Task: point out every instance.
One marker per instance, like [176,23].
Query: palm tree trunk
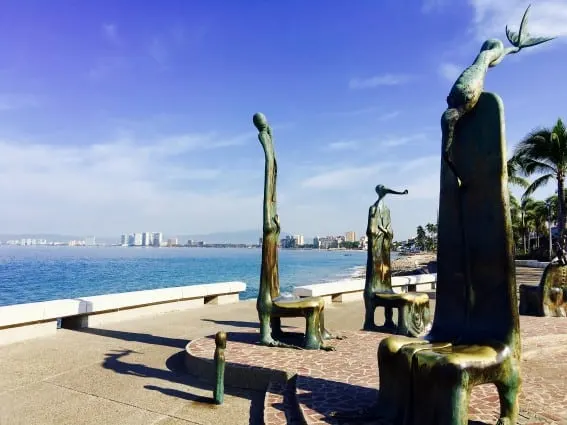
[560,205]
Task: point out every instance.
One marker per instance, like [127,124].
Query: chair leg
[394,369]
[402,324]
[369,310]
[312,331]
[276,323]
[389,317]
[508,391]
[454,406]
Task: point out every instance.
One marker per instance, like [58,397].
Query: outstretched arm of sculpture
[469,86]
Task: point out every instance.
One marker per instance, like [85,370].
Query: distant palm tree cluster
[542,153]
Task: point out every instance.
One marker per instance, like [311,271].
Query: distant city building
[328,242]
[350,236]
[172,242]
[298,240]
[316,243]
[190,242]
[137,239]
[158,239]
[90,241]
[147,239]
[260,241]
[124,240]
[363,242]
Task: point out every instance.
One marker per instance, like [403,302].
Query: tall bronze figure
[475,337]
[413,309]
[270,305]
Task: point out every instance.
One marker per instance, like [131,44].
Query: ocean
[32,274]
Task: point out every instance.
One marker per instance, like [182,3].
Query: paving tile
[348,377]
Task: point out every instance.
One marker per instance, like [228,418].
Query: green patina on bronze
[475,337]
[469,86]
[270,304]
[220,362]
[413,309]
[549,298]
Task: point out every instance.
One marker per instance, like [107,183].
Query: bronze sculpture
[220,364]
[270,305]
[413,309]
[475,334]
[549,298]
[466,91]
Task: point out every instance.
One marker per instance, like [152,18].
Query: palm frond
[536,184]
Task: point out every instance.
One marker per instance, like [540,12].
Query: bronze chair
[549,298]
[475,334]
[413,308]
[270,304]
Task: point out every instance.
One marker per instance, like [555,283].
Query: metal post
[219,360]
[549,226]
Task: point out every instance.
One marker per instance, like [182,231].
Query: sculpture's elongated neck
[270,177]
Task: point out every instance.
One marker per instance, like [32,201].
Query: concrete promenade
[132,372]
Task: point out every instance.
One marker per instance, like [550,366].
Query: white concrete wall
[23,321]
[532,263]
[352,289]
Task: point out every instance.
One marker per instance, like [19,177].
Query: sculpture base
[348,378]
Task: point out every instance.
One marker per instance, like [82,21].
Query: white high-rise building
[147,239]
[298,240]
[158,238]
[124,240]
[137,239]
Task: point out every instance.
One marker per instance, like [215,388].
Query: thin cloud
[110,33]
[403,140]
[421,174]
[10,102]
[389,116]
[158,51]
[343,145]
[119,186]
[548,18]
[352,113]
[432,5]
[450,71]
[379,80]
[362,111]
[338,178]
[106,66]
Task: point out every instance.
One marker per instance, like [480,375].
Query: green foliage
[426,238]
[350,245]
[544,151]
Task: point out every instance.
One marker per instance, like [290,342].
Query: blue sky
[137,116]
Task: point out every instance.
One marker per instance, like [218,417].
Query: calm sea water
[31,274]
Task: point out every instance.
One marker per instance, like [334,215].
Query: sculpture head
[492,44]
[260,121]
[382,191]
[220,339]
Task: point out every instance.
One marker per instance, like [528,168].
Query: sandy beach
[404,264]
[407,263]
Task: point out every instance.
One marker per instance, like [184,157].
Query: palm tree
[527,207]
[544,151]
[538,217]
[516,219]
[513,174]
